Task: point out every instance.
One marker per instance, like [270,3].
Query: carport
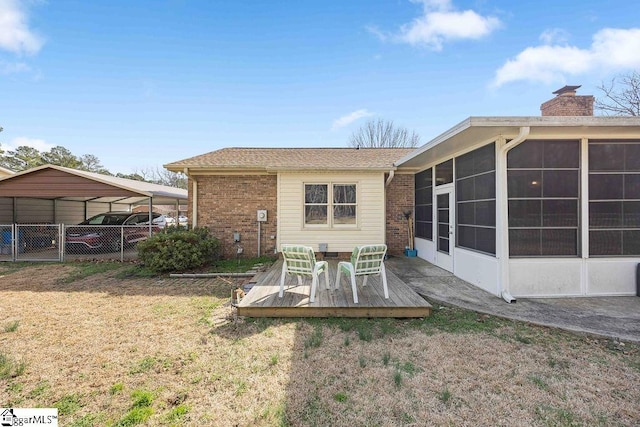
[55,195]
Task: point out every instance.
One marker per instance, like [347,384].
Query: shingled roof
[276,159]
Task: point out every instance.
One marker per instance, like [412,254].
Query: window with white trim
[332,205]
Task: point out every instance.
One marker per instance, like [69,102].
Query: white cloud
[440,23]
[612,50]
[39,144]
[13,68]
[350,118]
[554,35]
[15,34]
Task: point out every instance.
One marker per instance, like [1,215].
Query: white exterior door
[444,223]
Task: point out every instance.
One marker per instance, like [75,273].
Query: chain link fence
[57,242]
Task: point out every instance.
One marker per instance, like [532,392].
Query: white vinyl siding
[370,224]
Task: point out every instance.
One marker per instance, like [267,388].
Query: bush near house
[179,250]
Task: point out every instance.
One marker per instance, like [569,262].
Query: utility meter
[262,215]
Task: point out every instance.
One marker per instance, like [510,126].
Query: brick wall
[568,105]
[227,204]
[400,198]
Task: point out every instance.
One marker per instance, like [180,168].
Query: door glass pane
[443,222]
[443,245]
[443,201]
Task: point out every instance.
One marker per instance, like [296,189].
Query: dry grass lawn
[120,352]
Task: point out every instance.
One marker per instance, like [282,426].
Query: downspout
[194,200]
[392,173]
[503,217]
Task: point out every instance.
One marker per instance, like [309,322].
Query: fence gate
[36,242]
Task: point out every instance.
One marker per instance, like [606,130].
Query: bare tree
[162,176]
[381,133]
[621,97]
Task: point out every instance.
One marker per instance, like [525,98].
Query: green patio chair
[365,261]
[301,261]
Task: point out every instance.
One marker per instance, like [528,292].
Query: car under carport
[56,196]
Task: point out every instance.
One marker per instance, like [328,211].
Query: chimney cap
[567,90]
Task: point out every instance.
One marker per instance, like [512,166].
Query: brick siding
[227,204]
[400,198]
[568,105]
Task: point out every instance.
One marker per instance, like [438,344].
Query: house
[255,199]
[541,206]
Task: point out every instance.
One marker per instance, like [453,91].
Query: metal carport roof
[57,182]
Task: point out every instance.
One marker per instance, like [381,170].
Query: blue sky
[144,83]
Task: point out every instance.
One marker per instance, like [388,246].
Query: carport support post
[150,214]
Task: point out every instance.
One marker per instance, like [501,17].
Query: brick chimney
[567,103]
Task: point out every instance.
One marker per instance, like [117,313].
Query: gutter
[503,217]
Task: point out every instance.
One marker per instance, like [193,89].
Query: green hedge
[179,250]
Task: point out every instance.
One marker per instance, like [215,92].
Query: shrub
[179,250]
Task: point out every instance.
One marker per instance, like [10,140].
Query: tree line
[24,157]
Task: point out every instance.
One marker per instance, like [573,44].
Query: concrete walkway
[611,317]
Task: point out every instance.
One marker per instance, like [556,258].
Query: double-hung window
[330,205]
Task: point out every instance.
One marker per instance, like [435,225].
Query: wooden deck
[263,301]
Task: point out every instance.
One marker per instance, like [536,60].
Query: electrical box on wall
[262,215]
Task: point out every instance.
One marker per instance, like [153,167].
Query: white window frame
[330,205]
